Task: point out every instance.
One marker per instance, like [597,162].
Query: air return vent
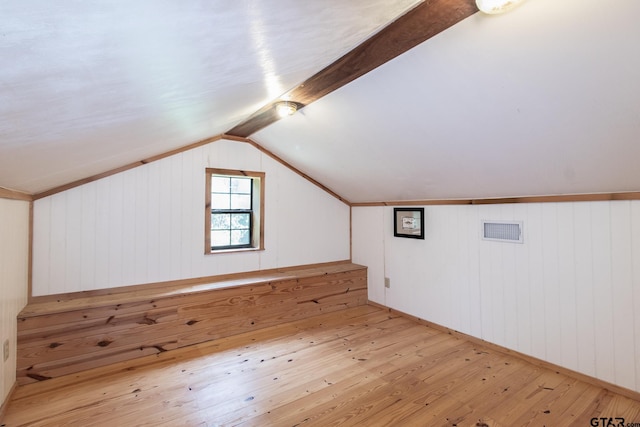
[502,231]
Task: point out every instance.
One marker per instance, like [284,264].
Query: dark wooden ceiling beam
[419,24]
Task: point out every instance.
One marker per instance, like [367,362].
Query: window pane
[241,185]
[219,184]
[240,201]
[220,201]
[240,221]
[232,203]
[240,237]
[220,238]
[220,221]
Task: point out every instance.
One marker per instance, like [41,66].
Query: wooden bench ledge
[68,333]
[51,304]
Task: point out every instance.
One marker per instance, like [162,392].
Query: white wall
[570,294]
[147,224]
[14,264]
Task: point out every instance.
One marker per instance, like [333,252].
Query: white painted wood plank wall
[14,263]
[570,294]
[147,224]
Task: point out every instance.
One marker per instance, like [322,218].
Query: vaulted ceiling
[542,100]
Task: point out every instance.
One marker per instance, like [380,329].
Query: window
[234,216]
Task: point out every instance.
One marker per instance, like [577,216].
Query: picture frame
[408,222]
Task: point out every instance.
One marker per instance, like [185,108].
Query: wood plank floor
[360,366]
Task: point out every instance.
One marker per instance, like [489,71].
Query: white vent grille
[502,231]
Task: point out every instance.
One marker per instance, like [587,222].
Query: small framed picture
[408,222]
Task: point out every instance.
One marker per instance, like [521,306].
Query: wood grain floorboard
[361,366]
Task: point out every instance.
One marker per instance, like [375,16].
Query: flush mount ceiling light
[493,7]
[286,108]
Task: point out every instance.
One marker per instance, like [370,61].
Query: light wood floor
[361,366]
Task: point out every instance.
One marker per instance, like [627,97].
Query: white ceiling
[89,86]
[543,100]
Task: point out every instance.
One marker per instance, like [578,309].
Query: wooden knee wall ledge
[631,394]
[72,334]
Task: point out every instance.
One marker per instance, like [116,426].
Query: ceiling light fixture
[286,108]
[493,7]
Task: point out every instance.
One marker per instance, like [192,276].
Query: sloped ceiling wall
[540,101]
[86,87]
[543,100]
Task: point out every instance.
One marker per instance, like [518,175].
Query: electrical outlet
[387,282]
[5,350]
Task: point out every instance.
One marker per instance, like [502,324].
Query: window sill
[226,251]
